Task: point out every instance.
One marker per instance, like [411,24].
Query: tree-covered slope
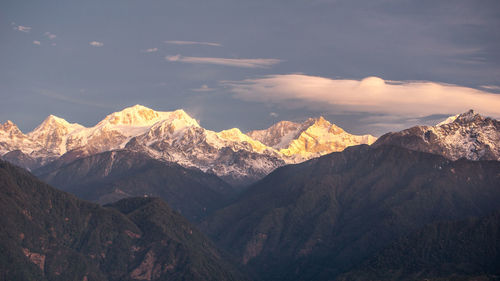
[46,234]
[467,249]
[318,219]
[113,175]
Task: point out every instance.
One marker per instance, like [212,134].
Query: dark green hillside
[318,219]
[467,250]
[46,234]
[110,176]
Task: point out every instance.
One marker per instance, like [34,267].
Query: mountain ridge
[50,235]
[317,219]
[468,135]
[174,137]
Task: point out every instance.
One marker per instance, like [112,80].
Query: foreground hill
[318,219]
[46,234]
[109,176]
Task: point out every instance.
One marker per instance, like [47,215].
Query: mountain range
[420,204]
[176,137]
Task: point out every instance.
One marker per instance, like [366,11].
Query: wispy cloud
[150,50]
[372,95]
[203,88]
[247,63]
[491,87]
[51,36]
[22,28]
[96,44]
[177,42]
[36,42]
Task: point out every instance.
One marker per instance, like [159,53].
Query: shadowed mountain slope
[113,175]
[46,234]
[467,249]
[315,220]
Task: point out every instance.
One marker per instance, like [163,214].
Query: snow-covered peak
[469,116]
[135,116]
[235,135]
[12,139]
[463,118]
[141,116]
[53,123]
[10,128]
[312,138]
[319,137]
[53,132]
[469,135]
[321,124]
[448,120]
[278,135]
[174,123]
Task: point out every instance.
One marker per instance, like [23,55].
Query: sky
[369,66]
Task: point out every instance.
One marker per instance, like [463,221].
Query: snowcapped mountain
[313,138]
[230,154]
[11,138]
[116,129]
[468,135]
[52,134]
[19,148]
[237,157]
[177,137]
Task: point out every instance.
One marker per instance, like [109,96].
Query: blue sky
[248,64]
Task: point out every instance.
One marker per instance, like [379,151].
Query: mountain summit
[53,132]
[467,135]
[312,138]
[141,116]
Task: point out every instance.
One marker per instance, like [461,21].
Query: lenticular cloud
[370,95]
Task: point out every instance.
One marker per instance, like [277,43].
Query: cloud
[150,50]
[372,95]
[22,28]
[96,44]
[247,63]
[51,36]
[36,42]
[177,42]
[203,88]
[491,87]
